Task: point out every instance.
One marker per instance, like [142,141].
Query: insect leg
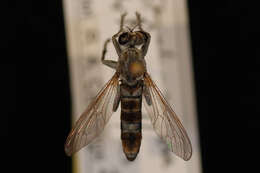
[139,21]
[147,94]
[117,99]
[146,43]
[147,35]
[114,38]
[122,21]
[109,63]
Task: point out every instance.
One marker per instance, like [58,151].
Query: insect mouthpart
[131,30]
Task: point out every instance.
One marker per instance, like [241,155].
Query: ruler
[88,24]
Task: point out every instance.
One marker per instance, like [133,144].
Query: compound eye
[123,38]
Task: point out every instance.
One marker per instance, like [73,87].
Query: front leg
[146,44]
[114,38]
[109,63]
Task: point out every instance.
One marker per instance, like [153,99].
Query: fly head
[132,38]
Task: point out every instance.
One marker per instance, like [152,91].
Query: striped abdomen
[131,116]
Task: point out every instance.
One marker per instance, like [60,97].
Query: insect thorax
[131,65]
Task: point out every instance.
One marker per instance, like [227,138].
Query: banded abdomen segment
[131,116]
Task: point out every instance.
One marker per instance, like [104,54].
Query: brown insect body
[131,69]
[131,117]
[129,85]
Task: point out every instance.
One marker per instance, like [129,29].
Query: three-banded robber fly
[131,85]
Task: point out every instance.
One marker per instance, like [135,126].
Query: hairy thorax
[131,65]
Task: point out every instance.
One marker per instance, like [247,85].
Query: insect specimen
[130,85]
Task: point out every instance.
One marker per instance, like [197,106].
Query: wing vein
[93,120]
[166,123]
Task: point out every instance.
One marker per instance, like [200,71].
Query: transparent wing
[92,122]
[165,122]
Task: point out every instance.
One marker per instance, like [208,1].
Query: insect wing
[92,122]
[165,121]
